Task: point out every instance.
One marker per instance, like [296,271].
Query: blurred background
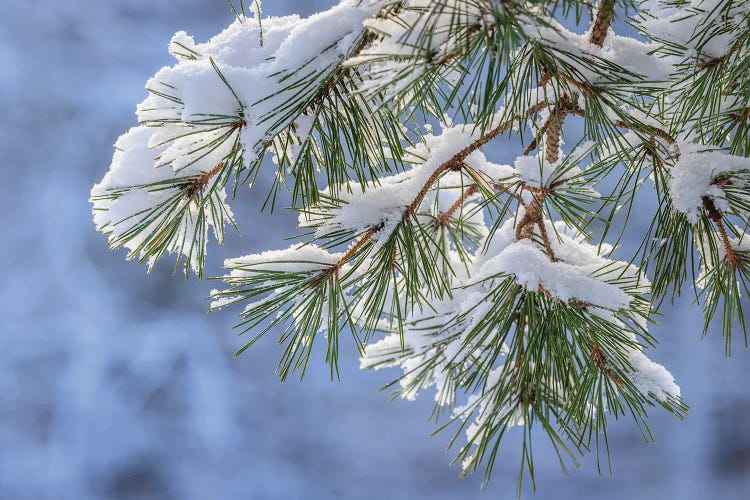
[115,384]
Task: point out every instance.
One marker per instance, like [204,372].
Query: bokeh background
[115,384]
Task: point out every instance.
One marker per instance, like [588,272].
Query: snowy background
[115,384]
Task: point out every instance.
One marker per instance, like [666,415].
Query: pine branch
[480,277]
[455,163]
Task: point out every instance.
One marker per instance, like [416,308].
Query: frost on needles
[495,286]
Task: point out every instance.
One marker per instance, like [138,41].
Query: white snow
[403,54]
[580,273]
[250,86]
[223,98]
[651,377]
[295,259]
[131,176]
[693,176]
[305,259]
[384,201]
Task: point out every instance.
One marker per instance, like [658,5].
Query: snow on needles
[296,259]
[211,113]
[233,75]
[579,274]
[136,193]
[404,53]
[472,292]
[383,201]
[695,174]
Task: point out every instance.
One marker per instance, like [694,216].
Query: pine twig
[200,181]
[453,163]
[600,360]
[545,238]
[443,220]
[552,136]
[730,256]
[602,22]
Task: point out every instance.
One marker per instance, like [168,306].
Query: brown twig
[573,302]
[534,216]
[535,142]
[338,76]
[741,117]
[500,129]
[600,360]
[443,220]
[554,130]
[199,182]
[730,256]
[573,108]
[453,164]
[585,88]
[661,134]
[359,244]
[529,216]
[329,272]
[456,162]
[602,22]
[471,31]
[502,187]
[718,61]
[545,239]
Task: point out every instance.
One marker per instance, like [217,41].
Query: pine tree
[494,284]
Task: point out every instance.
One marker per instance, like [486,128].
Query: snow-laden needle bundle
[494,284]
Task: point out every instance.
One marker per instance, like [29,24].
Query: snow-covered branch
[480,279]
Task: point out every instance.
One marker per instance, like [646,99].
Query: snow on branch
[481,280]
[151,210]
[700,173]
